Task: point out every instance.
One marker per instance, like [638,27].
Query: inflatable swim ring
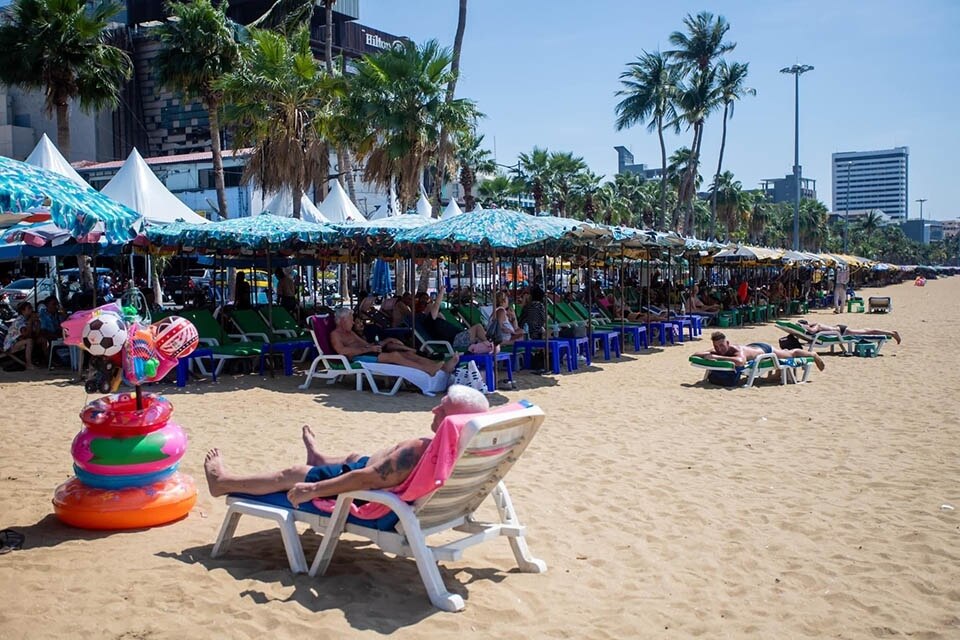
[88,508]
[99,481]
[148,453]
[117,414]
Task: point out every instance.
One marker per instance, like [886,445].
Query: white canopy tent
[337,206]
[282,205]
[451,210]
[424,208]
[46,156]
[138,187]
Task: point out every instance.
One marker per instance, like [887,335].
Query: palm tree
[60,46]
[473,159]
[728,193]
[586,187]
[730,79]
[870,223]
[813,223]
[563,168]
[198,50]
[695,100]
[696,53]
[397,100]
[535,168]
[279,102]
[649,89]
[498,191]
[451,91]
[761,219]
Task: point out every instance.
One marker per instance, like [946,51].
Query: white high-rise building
[872,180]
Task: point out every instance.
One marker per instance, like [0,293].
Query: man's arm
[355,349]
[356,480]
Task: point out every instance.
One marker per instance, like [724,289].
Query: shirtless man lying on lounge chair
[740,354]
[389,351]
[816,327]
[325,476]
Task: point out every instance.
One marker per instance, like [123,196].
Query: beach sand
[663,508]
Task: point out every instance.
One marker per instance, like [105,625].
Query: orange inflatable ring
[82,506]
[117,415]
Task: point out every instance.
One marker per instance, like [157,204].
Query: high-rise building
[625,164]
[785,189]
[872,180]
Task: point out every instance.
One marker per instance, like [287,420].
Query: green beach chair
[224,346]
[763,364]
[252,325]
[283,322]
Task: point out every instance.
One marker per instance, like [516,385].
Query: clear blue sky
[545,73]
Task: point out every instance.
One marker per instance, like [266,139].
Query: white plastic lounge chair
[429,385]
[489,444]
[761,365]
[830,339]
[328,365]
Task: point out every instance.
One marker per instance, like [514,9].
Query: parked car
[28,290]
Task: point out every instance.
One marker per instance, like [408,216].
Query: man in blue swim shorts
[324,476]
[724,350]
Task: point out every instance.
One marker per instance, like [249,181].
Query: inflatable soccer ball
[104,335]
[176,337]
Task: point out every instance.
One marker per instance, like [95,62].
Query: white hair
[463,399]
[341,313]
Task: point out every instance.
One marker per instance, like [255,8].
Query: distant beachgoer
[325,476]
[724,350]
[844,330]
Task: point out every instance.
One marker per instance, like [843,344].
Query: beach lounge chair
[253,327]
[283,322]
[761,365]
[331,366]
[831,339]
[224,346]
[481,449]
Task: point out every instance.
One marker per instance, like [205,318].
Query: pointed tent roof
[138,187]
[452,209]
[424,208]
[337,206]
[46,156]
[282,205]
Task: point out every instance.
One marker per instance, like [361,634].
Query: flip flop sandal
[10,540]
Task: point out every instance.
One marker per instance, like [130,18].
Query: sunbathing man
[694,305]
[816,327]
[740,354]
[325,476]
[389,351]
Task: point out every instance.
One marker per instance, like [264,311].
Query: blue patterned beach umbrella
[380,281]
[79,210]
[485,229]
[256,233]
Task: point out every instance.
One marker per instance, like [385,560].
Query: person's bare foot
[451,364]
[817,360]
[213,468]
[896,336]
[310,442]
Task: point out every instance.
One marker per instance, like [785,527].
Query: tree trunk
[466,181]
[716,178]
[659,221]
[297,200]
[63,129]
[451,90]
[213,113]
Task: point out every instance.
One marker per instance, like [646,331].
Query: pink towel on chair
[431,471]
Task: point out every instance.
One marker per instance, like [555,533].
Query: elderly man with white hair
[325,476]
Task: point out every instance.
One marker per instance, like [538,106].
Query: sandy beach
[663,508]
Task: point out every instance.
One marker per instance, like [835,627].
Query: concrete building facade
[784,189]
[872,180]
[625,164]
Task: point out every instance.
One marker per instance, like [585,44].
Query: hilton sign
[376,41]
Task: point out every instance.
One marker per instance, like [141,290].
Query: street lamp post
[519,193]
[921,201]
[797,70]
[846,212]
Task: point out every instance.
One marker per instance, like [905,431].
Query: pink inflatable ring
[117,414]
[146,453]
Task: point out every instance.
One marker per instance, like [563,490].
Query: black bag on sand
[790,341]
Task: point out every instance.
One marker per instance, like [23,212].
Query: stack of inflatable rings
[125,462]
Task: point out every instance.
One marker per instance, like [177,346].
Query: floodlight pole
[921,201]
[846,214]
[797,70]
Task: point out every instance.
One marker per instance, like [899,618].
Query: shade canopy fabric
[138,187]
[282,205]
[46,156]
[257,233]
[451,210]
[488,228]
[336,207]
[79,210]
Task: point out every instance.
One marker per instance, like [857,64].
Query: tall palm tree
[563,168]
[649,88]
[695,101]
[279,102]
[344,163]
[813,224]
[870,223]
[586,187]
[198,50]
[497,191]
[444,150]
[728,194]
[535,167]
[473,159]
[696,53]
[730,86]
[60,47]
[397,99]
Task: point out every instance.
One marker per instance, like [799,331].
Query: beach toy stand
[125,460]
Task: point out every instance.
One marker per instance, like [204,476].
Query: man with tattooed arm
[325,476]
